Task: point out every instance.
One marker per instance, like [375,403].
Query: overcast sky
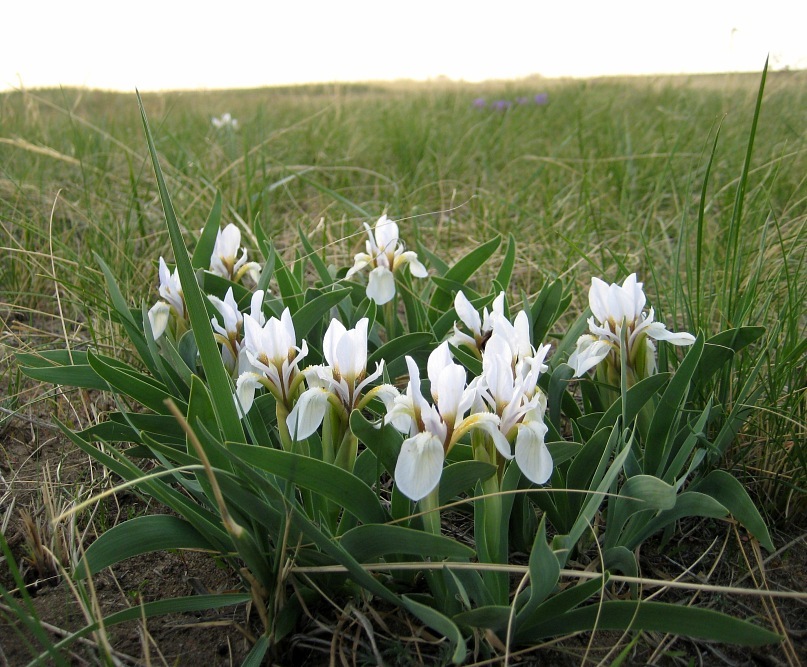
[164,44]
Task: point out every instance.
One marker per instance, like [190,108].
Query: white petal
[288,328]
[532,455]
[589,352]
[658,331]
[245,388]
[330,341]
[401,414]
[459,338]
[381,285]
[439,359]
[489,423]
[416,267]
[158,318]
[419,466]
[307,413]
[498,305]
[359,262]
[598,299]
[523,336]
[467,313]
[386,234]
[449,393]
[388,394]
[634,294]
[255,307]
[351,352]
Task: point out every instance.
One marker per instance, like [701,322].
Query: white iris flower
[386,255]
[271,350]
[173,302]
[339,382]
[230,334]
[480,327]
[224,260]
[509,387]
[434,429]
[612,306]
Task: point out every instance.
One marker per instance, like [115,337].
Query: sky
[180,44]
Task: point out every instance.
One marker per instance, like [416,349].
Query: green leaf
[508,263]
[201,411]
[460,272]
[635,399]
[655,617]
[544,573]
[215,373]
[659,441]
[544,310]
[638,494]
[141,388]
[593,501]
[563,450]
[399,347]
[558,382]
[291,292]
[494,617]
[204,249]
[315,259]
[729,492]
[461,476]
[131,327]
[384,441]
[722,347]
[556,606]
[322,478]
[441,623]
[137,536]
[368,542]
[204,521]
[689,503]
[311,314]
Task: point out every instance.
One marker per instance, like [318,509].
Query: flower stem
[430,505]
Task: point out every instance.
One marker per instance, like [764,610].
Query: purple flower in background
[479,103]
[523,100]
[502,105]
[541,98]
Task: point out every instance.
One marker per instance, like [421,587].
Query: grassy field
[607,177]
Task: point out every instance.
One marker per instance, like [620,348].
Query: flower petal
[158,318]
[467,313]
[589,352]
[419,466]
[381,285]
[245,388]
[386,234]
[532,456]
[416,267]
[307,413]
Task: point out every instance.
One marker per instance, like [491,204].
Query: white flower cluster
[224,262]
[225,121]
[504,402]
